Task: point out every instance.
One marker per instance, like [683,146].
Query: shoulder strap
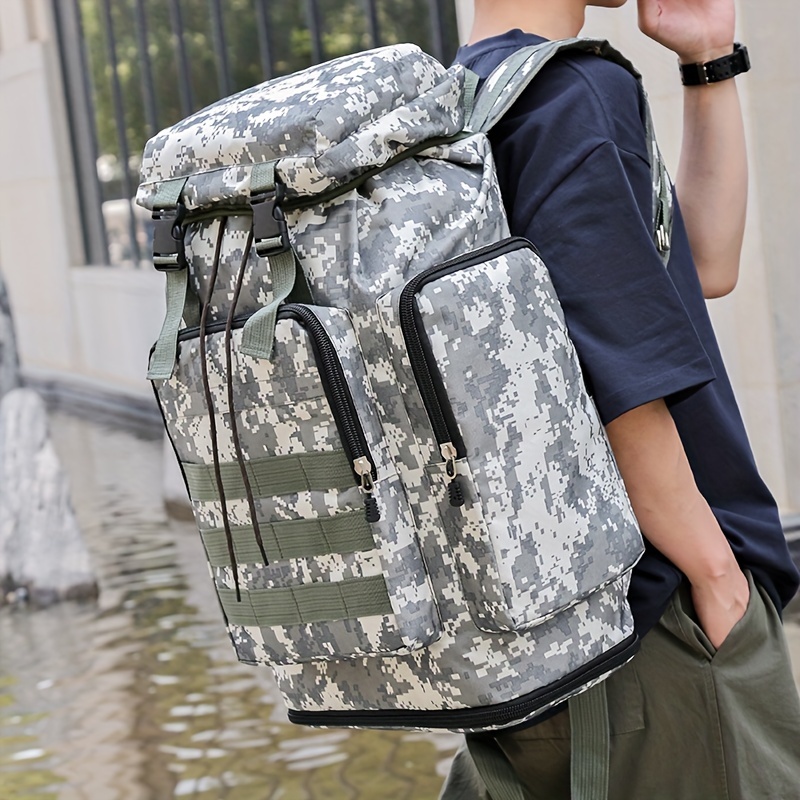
[507,82]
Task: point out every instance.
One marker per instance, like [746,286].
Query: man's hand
[720,604]
[697,30]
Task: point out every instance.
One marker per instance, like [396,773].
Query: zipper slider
[363,469]
[449,454]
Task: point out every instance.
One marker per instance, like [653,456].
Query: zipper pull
[449,454]
[363,468]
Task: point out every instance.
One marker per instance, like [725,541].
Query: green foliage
[344,30]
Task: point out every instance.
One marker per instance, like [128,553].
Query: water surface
[139,696]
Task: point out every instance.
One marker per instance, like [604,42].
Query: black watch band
[720,69]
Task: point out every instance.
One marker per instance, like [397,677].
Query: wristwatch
[720,69]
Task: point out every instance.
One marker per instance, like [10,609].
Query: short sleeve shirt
[574,170]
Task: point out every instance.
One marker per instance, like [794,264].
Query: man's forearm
[712,181]
[675,517]
[672,513]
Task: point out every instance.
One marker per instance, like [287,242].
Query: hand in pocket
[720,603]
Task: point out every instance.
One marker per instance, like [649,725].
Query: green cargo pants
[688,722]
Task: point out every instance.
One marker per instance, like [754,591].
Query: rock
[9,364]
[42,551]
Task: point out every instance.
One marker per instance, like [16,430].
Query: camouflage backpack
[407,500]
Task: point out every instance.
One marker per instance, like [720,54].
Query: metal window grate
[133,67]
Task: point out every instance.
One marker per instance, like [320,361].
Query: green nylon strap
[272,475]
[162,360]
[495,769]
[348,532]
[262,177]
[178,294]
[259,331]
[471,80]
[502,88]
[310,602]
[591,743]
[168,193]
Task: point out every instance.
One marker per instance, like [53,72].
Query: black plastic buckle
[168,232]
[270,232]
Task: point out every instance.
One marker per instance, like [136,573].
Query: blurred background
[138,696]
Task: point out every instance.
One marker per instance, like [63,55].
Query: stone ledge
[96,401]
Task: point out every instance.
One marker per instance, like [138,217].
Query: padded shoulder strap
[504,86]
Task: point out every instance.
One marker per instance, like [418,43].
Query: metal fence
[133,67]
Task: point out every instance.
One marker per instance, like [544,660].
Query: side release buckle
[270,232]
[168,251]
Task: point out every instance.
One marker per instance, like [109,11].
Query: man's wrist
[708,54]
[715,70]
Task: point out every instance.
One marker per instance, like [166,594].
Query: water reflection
[139,697]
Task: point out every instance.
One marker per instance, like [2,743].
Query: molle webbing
[273,475]
[297,538]
[310,602]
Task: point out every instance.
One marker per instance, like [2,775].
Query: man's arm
[675,517]
[712,175]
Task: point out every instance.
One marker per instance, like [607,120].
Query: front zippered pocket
[434,395]
[340,582]
[535,511]
[336,390]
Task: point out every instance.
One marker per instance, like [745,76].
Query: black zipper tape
[420,354]
[331,373]
[500,715]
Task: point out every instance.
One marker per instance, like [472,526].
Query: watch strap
[720,69]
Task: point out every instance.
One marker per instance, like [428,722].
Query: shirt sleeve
[635,340]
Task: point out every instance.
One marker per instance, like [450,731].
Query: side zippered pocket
[345,576]
[534,508]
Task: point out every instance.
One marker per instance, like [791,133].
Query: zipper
[423,364]
[336,390]
[502,715]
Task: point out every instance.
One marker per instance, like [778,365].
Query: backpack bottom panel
[469,670]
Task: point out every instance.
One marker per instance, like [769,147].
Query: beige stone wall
[90,325]
[757,324]
[96,325]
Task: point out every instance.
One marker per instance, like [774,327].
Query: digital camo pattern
[357,250]
[326,125]
[281,409]
[466,668]
[556,522]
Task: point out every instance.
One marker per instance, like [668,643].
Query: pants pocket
[689,629]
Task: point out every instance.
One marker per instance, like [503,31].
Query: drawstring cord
[210,404]
[234,424]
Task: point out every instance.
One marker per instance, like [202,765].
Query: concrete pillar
[39,223]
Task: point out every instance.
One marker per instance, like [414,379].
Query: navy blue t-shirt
[573,166]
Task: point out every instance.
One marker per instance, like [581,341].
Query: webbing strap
[507,82]
[168,193]
[262,177]
[259,331]
[180,298]
[471,80]
[272,475]
[347,532]
[495,769]
[310,602]
[589,766]
[162,360]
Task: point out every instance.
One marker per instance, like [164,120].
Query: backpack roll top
[325,560]
[528,491]
[326,126]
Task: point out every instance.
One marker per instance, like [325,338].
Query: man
[708,708]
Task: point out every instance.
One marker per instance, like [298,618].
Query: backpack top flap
[325,126]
